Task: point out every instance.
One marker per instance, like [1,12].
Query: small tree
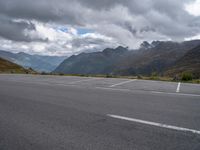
[139,76]
[186,76]
[154,76]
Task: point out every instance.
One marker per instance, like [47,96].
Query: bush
[44,73]
[139,76]
[154,76]
[186,76]
[198,81]
[109,76]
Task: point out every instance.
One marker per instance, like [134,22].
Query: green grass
[155,78]
[12,68]
[139,77]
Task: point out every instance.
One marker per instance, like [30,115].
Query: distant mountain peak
[119,49]
[145,45]
[156,57]
[22,53]
[155,43]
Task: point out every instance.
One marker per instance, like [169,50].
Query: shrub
[198,81]
[139,76]
[186,76]
[44,73]
[154,76]
[109,76]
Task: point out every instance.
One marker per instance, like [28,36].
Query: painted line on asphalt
[79,81]
[181,94]
[44,83]
[178,87]
[114,89]
[121,83]
[154,92]
[155,124]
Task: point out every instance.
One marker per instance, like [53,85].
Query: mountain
[9,67]
[160,56]
[37,62]
[92,63]
[157,57]
[190,62]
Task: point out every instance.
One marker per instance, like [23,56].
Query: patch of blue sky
[82,31]
[62,29]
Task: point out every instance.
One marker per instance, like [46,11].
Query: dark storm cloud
[120,19]
[42,10]
[166,17]
[15,30]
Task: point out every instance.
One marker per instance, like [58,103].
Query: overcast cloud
[66,27]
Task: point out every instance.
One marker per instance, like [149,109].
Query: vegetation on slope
[188,65]
[9,67]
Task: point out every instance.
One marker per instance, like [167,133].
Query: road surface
[78,113]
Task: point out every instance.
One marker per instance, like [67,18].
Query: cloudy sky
[66,27]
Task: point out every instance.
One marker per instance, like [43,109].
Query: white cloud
[52,28]
[193,38]
[193,8]
[58,42]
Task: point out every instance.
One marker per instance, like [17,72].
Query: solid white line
[83,80]
[178,87]
[113,89]
[122,83]
[155,124]
[44,83]
[155,92]
[181,94]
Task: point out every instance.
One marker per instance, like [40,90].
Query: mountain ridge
[37,62]
[190,63]
[157,57]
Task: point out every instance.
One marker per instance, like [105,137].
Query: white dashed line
[122,83]
[178,87]
[155,124]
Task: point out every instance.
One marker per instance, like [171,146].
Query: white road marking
[155,124]
[178,87]
[183,94]
[83,80]
[122,83]
[155,92]
[113,89]
[44,83]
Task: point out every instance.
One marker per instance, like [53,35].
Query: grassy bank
[152,77]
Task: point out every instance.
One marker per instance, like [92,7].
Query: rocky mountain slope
[157,56]
[93,63]
[190,62]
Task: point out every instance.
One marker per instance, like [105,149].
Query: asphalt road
[74,113]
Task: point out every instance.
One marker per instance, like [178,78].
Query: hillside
[157,56]
[9,67]
[92,63]
[190,62]
[37,62]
